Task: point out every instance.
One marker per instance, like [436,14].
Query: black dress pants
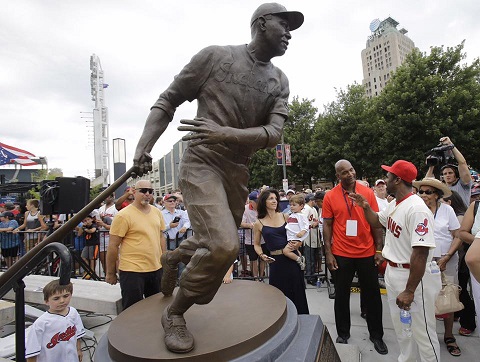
[368,277]
[135,286]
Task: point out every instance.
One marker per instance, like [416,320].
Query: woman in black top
[285,274]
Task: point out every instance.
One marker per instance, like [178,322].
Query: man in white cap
[242,106]
[380,190]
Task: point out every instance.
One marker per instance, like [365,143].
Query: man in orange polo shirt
[351,245]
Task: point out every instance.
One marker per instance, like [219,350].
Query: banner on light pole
[283,155]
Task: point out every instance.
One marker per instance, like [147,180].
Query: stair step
[88,295]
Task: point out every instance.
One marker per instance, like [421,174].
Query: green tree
[431,96]
[45,174]
[298,132]
[264,169]
[95,191]
[345,131]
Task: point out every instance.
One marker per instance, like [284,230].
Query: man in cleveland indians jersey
[242,106]
[412,278]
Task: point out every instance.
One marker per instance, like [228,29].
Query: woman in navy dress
[285,273]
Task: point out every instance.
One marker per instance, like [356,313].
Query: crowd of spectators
[456,228]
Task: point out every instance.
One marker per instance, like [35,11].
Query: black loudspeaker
[73,194]
[48,196]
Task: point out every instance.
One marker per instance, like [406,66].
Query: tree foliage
[429,96]
[298,133]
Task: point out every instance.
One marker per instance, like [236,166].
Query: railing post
[19,289]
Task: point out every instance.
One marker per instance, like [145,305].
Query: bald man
[138,229]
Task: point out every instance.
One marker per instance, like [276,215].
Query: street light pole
[285,180]
[119,164]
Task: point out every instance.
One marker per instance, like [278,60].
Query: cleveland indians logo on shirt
[249,79]
[422,228]
[292,219]
[62,336]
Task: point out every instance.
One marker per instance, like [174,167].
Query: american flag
[10,155]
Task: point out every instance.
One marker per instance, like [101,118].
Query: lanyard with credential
[346,201]
[351,226]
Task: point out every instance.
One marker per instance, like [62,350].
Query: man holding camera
[458,177]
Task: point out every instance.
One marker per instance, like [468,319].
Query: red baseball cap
[403,169]
[169,196]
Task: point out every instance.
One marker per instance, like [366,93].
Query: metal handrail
[17,283]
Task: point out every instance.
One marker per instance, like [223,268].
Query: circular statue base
[243,316]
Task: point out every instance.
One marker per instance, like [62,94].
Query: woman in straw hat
[446,229]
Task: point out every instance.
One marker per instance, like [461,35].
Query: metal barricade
[316,271]
[81,266]
[29,239]
[250,268]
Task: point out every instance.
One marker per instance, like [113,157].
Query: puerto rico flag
[11,155]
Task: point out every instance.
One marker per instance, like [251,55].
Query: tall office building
[387,48]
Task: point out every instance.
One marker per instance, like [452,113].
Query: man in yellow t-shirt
[138,229]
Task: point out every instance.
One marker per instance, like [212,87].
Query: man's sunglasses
[428,192]
[144,190]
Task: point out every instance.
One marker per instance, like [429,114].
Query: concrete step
[88,295]
[7,312]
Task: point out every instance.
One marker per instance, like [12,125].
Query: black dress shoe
[379,345]
[342,340]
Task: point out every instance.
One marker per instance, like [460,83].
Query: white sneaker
[301,262]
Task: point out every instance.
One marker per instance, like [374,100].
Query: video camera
[440,155]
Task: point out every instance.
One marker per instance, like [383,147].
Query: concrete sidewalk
[320,304]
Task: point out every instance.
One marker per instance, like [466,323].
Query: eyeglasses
[144,190]
[172,200]
[427,192]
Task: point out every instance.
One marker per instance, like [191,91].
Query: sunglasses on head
[427,192]
[144,190]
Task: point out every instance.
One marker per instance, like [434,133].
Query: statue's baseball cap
[403,169]
[294,18]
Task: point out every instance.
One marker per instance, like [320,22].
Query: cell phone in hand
[269,259]
[176,219]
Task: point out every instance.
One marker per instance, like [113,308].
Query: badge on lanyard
[351,224]
[351,228]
